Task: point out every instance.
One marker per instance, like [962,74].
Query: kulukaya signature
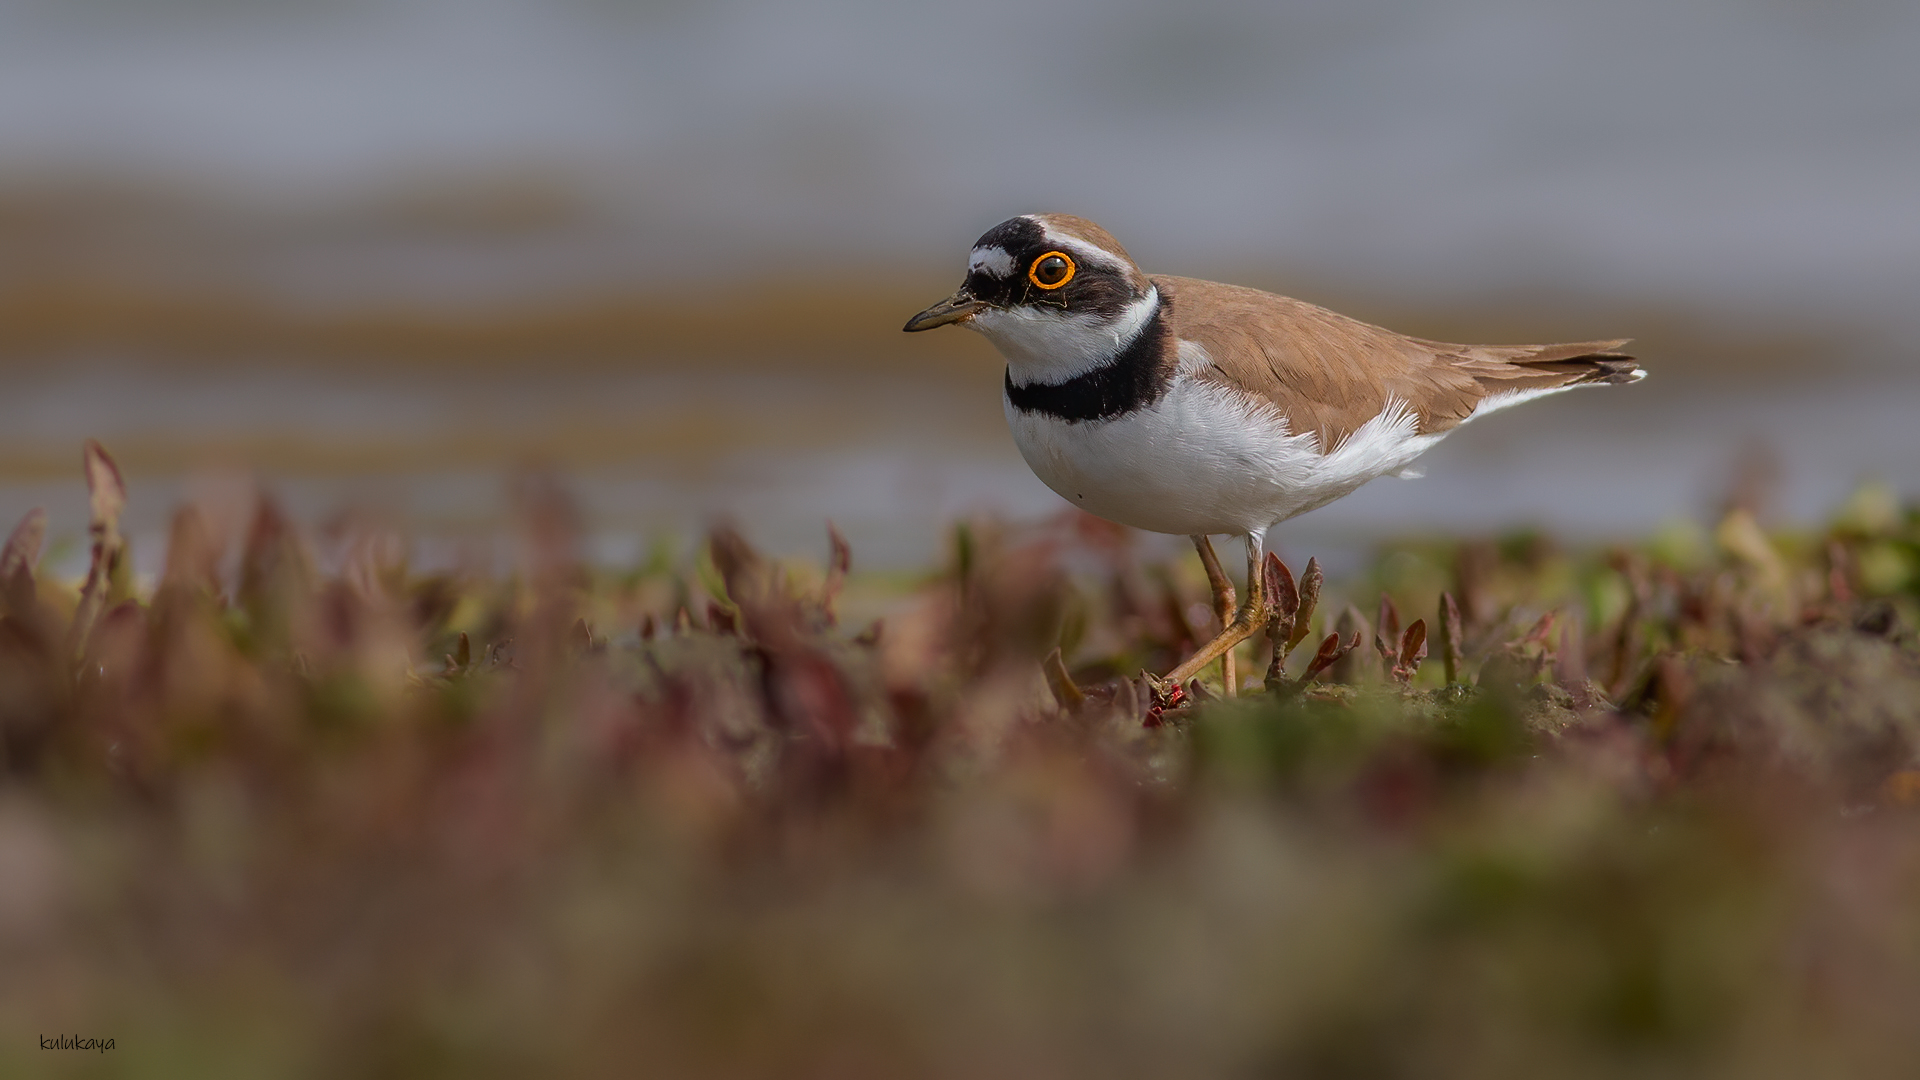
[75,1042]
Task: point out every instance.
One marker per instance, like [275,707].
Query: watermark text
[74,1042]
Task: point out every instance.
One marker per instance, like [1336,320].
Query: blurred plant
[572,819]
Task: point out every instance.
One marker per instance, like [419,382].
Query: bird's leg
[1248,621]
[1224,601]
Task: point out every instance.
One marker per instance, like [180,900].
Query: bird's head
[1055,293]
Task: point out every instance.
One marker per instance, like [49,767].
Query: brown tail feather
[1591,368]
[1512,367]
[1572,350]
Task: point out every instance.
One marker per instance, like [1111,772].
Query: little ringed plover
[1183,406]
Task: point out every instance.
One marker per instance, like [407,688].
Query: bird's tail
[1584,361]
[1524,367]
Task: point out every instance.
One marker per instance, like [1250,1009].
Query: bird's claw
[1163,696]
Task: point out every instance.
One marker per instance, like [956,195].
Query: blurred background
[381,255]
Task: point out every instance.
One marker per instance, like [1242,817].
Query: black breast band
[1133,379]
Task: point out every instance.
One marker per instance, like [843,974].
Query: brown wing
[1329,374]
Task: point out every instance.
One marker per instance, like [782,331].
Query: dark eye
[1052,270]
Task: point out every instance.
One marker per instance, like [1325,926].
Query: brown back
[1329,374]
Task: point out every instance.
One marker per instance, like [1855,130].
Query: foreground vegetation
[296,809]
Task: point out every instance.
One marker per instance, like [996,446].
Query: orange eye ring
[1033,271]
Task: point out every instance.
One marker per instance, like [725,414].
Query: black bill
[960,305]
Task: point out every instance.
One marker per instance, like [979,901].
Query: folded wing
[1329,374]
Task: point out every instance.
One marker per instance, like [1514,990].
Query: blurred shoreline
[410,360]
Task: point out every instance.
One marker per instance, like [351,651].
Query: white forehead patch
[992,260]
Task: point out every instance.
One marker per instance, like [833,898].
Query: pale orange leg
[1224,602]
[1249,620]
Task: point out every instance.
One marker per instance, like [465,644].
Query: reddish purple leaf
[1309,595]
[1413,644]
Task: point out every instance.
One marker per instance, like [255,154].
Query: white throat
[1043,345]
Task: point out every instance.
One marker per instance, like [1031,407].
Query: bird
[1196,408]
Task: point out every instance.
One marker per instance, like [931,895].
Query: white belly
[1204,460]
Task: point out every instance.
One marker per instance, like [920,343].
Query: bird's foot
[1166,696]
[1163,697]
[1181,687]
[1250,618]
